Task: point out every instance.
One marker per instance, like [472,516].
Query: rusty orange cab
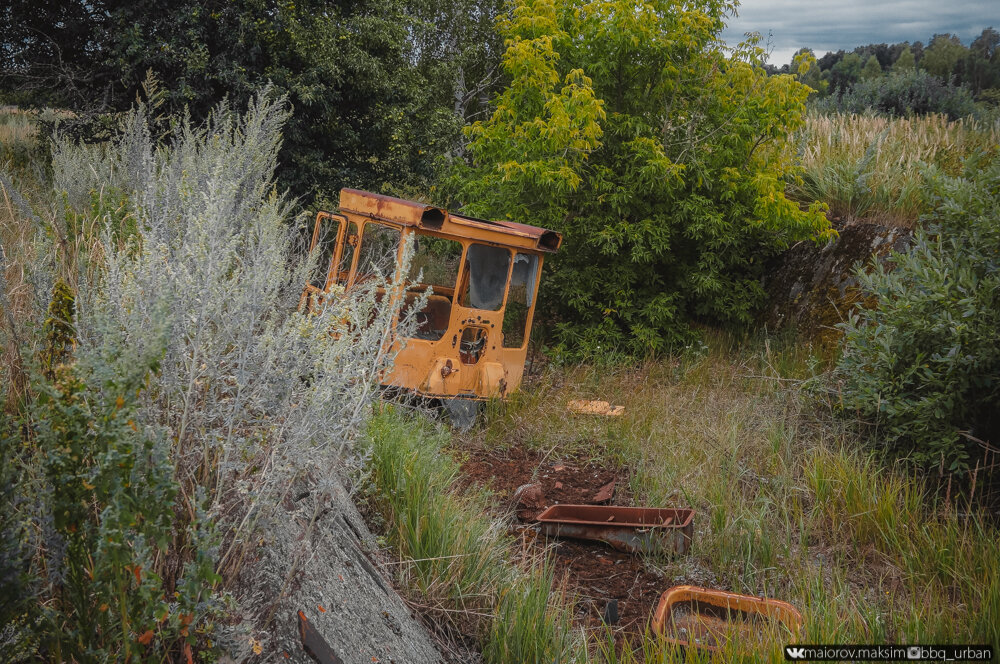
[472,335]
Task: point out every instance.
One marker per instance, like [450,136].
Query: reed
[873,168]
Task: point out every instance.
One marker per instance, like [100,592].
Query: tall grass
[786,504]
[458,561]
[18,132]
[873,168]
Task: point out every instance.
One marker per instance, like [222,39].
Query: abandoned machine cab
[472,334]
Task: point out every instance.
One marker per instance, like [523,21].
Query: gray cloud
[829,26]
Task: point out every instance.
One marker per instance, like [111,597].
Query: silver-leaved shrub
[195,394]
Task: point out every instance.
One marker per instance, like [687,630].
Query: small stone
[530,496]
[605,493]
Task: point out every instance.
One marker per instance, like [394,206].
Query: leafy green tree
[905,61]
[458,48]
[846,72]
[872,69]
[943,55]
[981,70]
[365,113]
[630,130]
[805,69]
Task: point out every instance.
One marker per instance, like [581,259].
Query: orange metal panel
[443,368]
[701,618]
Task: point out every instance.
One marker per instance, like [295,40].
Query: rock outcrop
[327,572]
[811,288]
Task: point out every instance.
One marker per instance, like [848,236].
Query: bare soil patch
[525,483]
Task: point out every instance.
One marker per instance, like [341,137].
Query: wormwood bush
[187,293]
[924,364]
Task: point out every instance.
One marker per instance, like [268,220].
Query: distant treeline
[901,79]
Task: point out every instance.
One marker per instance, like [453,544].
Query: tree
[47,54]
[905,61]
[457,49]
[828,61]
[628,129]
[981,70]
[367,113]
[872,69]
[804,68]
[943,55]
[846,72]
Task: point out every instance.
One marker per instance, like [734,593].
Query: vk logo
[795,653]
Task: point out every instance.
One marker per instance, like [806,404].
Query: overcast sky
[827,25]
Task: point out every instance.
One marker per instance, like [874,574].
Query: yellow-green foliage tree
[628,128]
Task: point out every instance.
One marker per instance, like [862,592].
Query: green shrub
[99,493]
[902,94]
[628,129]
[923,365]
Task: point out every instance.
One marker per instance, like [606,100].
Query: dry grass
[786,505]
[875,168]
[17,127]
[17,296]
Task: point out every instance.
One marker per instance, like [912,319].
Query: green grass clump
[458,560]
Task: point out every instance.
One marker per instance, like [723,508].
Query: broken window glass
[473,345]
[520,297]
[486,276]
[378,251]
[435,264]
[325,245]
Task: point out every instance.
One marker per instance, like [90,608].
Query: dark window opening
[432,218]
[434,266]
[473,345]
[520,297]
[377,255]
[326,243]
[485,277]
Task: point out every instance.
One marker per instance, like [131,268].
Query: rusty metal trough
[700,618]
[633,529]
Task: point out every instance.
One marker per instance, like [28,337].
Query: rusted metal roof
[411,213]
